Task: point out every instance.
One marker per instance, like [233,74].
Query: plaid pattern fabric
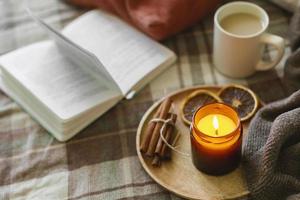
[101,161]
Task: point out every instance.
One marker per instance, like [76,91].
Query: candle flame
[216,122]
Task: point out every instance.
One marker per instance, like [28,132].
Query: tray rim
[139,130]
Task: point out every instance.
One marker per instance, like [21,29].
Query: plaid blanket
[101,161]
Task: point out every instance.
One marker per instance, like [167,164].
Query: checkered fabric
[101,162]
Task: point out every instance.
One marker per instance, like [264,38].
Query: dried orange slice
[194,101]
[241,98]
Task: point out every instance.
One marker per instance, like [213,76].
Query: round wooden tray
[179,174]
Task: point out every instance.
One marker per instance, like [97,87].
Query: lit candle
[216,125]
[216,137]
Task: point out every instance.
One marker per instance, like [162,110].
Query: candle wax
[225,125]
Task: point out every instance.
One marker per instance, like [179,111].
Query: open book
[68,82]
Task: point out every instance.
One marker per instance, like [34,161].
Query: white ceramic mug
[239,56]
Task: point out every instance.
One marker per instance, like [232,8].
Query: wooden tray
[179,174]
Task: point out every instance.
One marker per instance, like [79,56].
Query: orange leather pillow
[157,18]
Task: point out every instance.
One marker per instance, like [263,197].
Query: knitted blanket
[271,152]
[272,149]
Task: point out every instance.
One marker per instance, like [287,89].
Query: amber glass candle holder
[213,154]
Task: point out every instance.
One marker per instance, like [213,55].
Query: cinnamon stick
[166,151]
[166,105]
[167,135]
[149,131]
[156,161]
[162,151]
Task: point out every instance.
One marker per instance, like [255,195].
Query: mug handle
[278,43]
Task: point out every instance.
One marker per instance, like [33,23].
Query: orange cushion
[157,18]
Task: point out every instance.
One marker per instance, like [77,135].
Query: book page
[79,56]
[126,53]
[63,87]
